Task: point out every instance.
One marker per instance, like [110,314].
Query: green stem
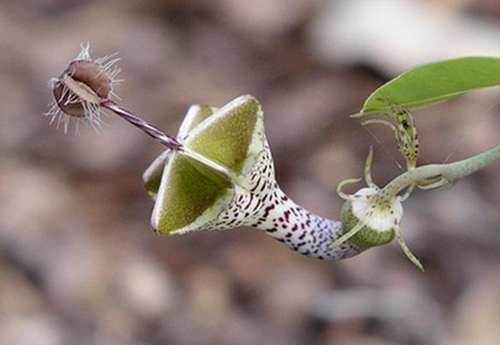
[447,173]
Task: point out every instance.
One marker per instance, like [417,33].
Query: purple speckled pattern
[265,206]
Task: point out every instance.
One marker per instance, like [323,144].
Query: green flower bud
[378,220]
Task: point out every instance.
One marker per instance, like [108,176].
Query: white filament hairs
[78,92]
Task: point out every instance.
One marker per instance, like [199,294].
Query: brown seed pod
[81,88]
[93,75]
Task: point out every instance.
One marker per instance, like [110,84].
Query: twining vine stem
[439,175]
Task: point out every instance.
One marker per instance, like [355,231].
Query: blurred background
[78,261]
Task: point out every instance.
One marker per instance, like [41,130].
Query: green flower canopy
[188,193]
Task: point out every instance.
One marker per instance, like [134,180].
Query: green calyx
[371,217]
[367,236]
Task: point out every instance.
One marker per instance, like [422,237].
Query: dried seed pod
[79,91]
[83,83]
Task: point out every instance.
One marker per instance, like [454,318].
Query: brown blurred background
[78,262]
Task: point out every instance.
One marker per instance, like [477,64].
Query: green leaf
[434,82]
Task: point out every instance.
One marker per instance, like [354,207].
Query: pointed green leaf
[435,82]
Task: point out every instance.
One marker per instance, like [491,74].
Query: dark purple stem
[148,128]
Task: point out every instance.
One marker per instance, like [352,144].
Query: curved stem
[344,183]
[447,173]
[368,169]
[407,251]
[145,126]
